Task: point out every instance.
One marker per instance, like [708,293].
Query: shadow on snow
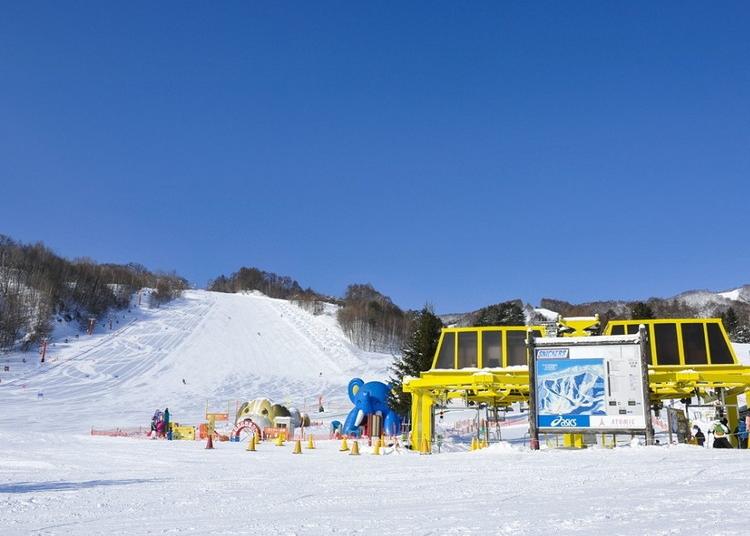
[61,485]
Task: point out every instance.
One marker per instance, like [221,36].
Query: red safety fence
[268,434]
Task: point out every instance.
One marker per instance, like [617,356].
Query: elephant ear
[354,386]
[241,411]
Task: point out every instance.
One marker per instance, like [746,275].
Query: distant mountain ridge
[691,303]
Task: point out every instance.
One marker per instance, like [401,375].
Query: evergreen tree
[416,357]
[502,314]
[737,330]
[741,334]
[641,311]
[730,320]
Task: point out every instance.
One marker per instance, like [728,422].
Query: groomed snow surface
[54,484]
[57,479]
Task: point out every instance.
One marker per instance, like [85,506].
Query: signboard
[678,425]
[589,387]
[183,432]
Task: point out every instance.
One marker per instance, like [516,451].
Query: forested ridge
[735,314]
[372,321]
[36,284]
[269,283]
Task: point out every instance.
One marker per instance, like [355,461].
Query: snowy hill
[706,301]
[741,294]
[225,347]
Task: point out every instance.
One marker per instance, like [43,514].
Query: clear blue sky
[458,153]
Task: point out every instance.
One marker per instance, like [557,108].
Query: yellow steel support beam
[573,441]
[733,417]
[421,418]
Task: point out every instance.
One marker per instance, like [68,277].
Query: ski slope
[225,347]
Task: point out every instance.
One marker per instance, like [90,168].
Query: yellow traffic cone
[376,447]
[310,443]
[251,444]
[344,446]
[355,449]
[297,447]
[279,441]
[473,444]
[485,444]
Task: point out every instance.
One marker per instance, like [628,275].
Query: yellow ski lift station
[687,357]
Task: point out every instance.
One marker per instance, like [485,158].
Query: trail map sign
[596,385]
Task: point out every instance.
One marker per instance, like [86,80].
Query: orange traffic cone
[297,447]
[355,449]
[210,442]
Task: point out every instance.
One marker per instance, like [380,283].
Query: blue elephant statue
[370,398]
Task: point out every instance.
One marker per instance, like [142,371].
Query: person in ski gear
[740,432]
[155,423]
[700,437]
[721,431]
[167,429]
[160,429]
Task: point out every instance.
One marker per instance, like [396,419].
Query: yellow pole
[421,423]
[416,400]
[732,417]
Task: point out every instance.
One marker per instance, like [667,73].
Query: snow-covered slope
[224,346]
[741,294]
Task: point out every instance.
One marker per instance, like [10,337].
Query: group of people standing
[721,433]
[160,424]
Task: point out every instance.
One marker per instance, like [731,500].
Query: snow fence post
[533,430]
[643,334]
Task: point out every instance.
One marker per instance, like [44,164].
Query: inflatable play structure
[371,410]
[260,416]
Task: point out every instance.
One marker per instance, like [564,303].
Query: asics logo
[563,423]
